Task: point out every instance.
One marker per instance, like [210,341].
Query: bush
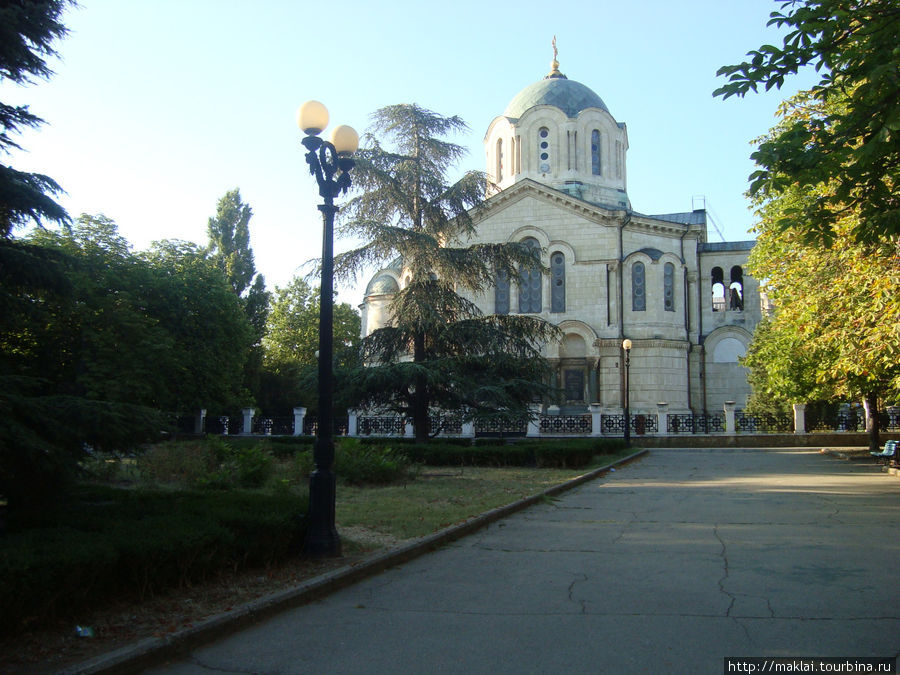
[106,543]
[208,463]
[360,464]
[572,453]
[183,463]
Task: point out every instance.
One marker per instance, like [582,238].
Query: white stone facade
[558,160]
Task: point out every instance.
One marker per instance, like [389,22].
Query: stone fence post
[662,411]
[247,426]
[596,412]
[534,420]
[352,422]
[799,418]
[409,430]
[730,427]
[468,429]
[299,416]
[200,421]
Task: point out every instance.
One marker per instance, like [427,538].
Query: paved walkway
[666,566]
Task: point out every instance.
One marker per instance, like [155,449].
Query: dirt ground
[121,623]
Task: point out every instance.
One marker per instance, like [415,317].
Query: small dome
[569,96]
[383,284]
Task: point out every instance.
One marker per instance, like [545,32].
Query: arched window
[638,287]
[736,289]
[499,159]
[718,290]
[501,293]
[544,150]
[530,278]
[595,152]
[669,287]
[558,282]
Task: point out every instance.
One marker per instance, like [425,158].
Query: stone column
[799,418]
[408,430]
[247,427]
[200,421]
[468,429]
[730,427]
[534,421]
[299,415]
[352,422]
[662,411]
[596,412]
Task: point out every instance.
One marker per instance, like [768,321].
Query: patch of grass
[441,497]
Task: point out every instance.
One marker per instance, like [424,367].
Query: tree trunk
[420,395]
[871,407]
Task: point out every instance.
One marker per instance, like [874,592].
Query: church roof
[382,284]
[697,217]
[568,95]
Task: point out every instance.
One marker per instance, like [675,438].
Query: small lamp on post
[626,345]
[330,163]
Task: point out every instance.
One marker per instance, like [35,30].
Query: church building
[558,159]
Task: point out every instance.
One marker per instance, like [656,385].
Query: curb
[153,651]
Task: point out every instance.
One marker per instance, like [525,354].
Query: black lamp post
[330,163]
[626,345]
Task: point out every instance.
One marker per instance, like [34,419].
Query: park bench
[889,452]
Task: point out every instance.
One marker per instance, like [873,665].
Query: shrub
[106,543]
[208,463]
[182,463]
[359,464]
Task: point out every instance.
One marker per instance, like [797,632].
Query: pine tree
[27,33]
[461,359]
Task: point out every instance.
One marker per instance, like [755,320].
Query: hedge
[572,453]
[105,542]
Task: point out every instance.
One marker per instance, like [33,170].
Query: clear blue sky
[158,107]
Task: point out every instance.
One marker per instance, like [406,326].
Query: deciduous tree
[853,147]
[291,342]
[836,328]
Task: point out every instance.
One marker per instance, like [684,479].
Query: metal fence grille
[566,424]
[747,423]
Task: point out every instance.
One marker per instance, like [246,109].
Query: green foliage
[104,543]
[27,33]
[209,463]
[836,329]
[407,212]
[855,147]
[185,463]
[356,463]
[573,453]
[229,250]
[290,367]
[835,333]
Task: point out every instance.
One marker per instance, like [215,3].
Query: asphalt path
[669,565]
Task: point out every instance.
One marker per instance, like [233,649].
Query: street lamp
[330,163]
[626,345]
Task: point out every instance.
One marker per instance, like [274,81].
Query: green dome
[383,284]
[569,96]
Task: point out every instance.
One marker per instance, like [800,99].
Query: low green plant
[356,463]
[182,463]
[105,543]
[207,463]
